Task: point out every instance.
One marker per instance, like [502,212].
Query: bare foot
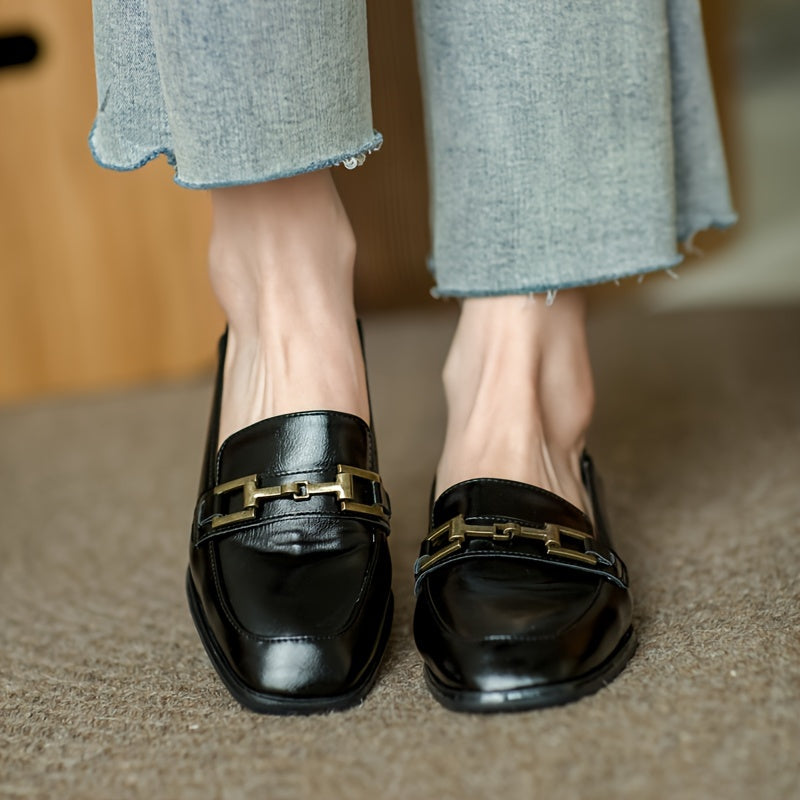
[519,393]
[281,262]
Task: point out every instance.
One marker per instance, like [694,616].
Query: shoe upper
[504,612]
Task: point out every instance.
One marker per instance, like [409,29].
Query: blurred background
[105,316]
[103,274]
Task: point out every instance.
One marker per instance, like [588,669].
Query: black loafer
[289,579]
[521,602]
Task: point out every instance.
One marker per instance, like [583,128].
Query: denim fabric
[232,91]
[568,142]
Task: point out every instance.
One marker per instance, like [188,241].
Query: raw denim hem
[354,157]
[704,222]
[721,222]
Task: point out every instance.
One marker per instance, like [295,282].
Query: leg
[281,260]
[519,393]
[289,579]
[568,145]
[555,164]
[559,158]
[306,571]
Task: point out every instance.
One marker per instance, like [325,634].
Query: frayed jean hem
[707,220]
[721,222]
[348,159]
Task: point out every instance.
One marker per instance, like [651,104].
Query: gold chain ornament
[342,487]
[457,531]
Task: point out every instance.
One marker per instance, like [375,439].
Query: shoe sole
[264,703]
[532,697]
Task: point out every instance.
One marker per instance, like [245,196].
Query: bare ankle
[281,262]
[286,243]
[519,392]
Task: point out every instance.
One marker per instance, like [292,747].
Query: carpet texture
[107,693]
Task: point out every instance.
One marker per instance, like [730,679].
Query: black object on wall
[17,49]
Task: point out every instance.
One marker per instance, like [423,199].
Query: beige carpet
[107,693]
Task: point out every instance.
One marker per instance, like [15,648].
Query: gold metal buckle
[457,532]
[342,487]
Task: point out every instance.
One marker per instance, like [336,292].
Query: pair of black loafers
[521,602]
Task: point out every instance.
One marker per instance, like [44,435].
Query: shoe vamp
[498,598]
[287,586]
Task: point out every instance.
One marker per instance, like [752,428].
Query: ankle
[281,260]
[286,244]
[519,394]
[281,373]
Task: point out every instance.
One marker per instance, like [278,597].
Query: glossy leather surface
[503,622]
[293,606]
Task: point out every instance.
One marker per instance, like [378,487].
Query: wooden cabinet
[102,275]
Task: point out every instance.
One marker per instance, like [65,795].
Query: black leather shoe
[289,579]
[521,602]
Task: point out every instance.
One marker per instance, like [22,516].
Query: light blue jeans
[569,142]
